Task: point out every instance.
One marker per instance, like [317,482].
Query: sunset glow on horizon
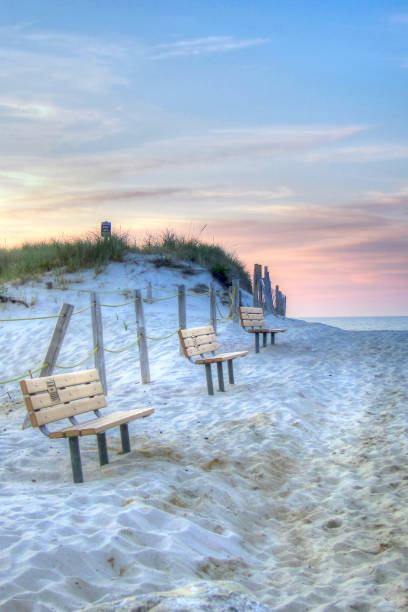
[280,128]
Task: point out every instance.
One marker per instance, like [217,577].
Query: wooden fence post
[149,293]
[97,334]
[56,341]
[182,315]
[142,342]
[268,291]
[213,307]
[235,293]
[257,278]
[279,301]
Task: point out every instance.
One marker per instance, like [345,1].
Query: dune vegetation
[71,255]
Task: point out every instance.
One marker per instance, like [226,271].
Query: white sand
[293,483]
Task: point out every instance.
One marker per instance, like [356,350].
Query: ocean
[363,323]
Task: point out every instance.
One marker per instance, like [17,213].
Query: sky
[277,129]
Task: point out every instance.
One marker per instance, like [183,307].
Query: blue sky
[279,126]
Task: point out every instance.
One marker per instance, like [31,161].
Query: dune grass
[224,266]
[32,260]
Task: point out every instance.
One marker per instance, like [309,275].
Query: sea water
[363,323]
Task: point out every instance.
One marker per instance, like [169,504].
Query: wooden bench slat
[200,350]
[68,394]
[63,411]
[101,424]
[252,317]
[204,339]
[251,310]
[222,357]
[265,330]
[251,322]
[35,385]
[196,331]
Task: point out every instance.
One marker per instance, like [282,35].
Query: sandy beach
[292,485]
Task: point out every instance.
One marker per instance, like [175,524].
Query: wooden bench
[64,396]
[202,340]
[252,320]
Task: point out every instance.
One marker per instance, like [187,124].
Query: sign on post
[105,229]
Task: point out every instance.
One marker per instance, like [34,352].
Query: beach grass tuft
[31,260]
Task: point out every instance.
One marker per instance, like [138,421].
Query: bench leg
[209,379]
[264,338]
[230,372]
[220,376]
[272,338]
[124,435]
[102,449]
[257,343]
[75,459]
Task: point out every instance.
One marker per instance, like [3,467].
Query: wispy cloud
[361,153]
[205,46]
[400,18]
[394,197]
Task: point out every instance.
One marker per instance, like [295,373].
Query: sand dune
[287,492]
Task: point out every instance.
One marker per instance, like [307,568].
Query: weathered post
[149,293]
[54,348]
[142,342]
[235,298]
[182,315]
[268,291]
[97,335]
[213,307]
[57,339]
[256,285]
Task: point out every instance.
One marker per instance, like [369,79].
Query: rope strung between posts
[119,305]
[122,350]
[79,362]
[164,337]
[33,318]
[58,316]
[162,299]
[229,315]
[29,372]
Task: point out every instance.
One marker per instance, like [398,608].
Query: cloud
[396,197]
[401,18]
[362,153]
[204,46]
[49,71]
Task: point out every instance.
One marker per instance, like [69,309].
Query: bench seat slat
[200,350]
[101,424]
[265,330]
[222,357]
[42,400]
[63,411]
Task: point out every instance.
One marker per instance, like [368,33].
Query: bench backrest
[251,317]
[52,398]
[198,340]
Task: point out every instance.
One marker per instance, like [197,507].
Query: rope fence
[67,310]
